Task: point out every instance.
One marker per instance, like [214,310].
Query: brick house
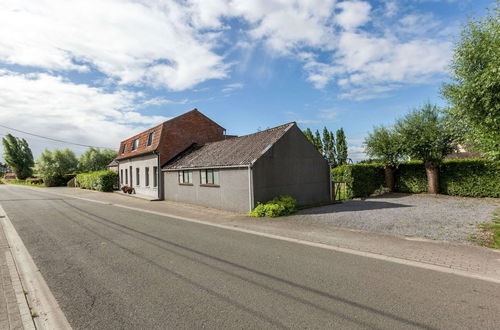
[236,173]
[141,156]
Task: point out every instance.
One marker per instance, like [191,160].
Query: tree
[329,147]
[426,136]
[383,143]
[318,143]
[18,156]
[309,135]
[341,147]
[53,166]
[94,159]
[474,90]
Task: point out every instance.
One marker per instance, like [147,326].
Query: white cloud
[353,14]
[232,87]
[130,41]
[54,107]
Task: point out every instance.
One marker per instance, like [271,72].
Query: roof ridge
[256,133]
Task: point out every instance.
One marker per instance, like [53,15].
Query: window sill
[210,185]
[185,184]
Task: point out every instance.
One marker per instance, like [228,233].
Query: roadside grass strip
[489,232]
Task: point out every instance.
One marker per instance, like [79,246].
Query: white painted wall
[141,189]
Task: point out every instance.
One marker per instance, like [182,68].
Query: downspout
[250,187]
[160,186]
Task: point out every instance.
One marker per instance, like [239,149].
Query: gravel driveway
[434,217]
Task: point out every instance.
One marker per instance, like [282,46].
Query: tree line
[471,120]
[51,165]
[332,146]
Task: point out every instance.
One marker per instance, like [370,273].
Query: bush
[411,178]
[470,178]
[97,180]
[57,180]
[362,179]
[278,206]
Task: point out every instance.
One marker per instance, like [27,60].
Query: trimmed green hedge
[57,181]
[470,178]
[410,177]
[361,179]
[98,180]
[278,206]
[457,177]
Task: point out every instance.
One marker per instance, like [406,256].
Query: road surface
[114,268]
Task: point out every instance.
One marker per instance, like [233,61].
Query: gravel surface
[443,218]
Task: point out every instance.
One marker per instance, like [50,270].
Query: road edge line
[442,269]
[40,298]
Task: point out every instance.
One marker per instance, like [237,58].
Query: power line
[52,139]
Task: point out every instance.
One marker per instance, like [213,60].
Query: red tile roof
[173,136]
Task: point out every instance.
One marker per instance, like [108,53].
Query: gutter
[203,168]
[136,155]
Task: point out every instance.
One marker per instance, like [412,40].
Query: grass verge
[24,183]
[489,232]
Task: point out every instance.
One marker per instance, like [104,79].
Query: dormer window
[123,148]
[150,138]
[135,144]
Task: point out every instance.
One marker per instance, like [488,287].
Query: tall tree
[94,159]
[318,142]
[329,147]
[309,135]
[474,91]
[426,136]
[383,143]
[52,166]
[341,146]
[18,156]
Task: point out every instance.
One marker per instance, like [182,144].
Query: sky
[96,72]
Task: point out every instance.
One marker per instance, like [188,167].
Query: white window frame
[210,177]
[135,144]
[185,177]
[150,139]
[146,176]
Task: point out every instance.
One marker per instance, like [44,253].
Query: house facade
[235,174]
[141,156]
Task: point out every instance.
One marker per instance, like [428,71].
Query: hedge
[57,181]
[410,177]
[457,177]
[470,178]
[361,179]
[98,180]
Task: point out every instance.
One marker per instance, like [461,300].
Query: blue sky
[97,71]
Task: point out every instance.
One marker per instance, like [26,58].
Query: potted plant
[127,189]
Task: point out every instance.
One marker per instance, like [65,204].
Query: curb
[39,298]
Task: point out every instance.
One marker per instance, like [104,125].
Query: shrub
[97,180]
[411,177]
[470,178]
[278,206]
[362,179]
[57,180]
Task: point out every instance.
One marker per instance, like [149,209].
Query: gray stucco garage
[236,173]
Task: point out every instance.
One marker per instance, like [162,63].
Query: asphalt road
[113,268]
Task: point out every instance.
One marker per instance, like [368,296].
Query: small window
[126,176]
[137,176]
[135,144]
[150,138]
[185,177]
[121,176]
[209,177]
[146,176]
[155,176]
[124,146]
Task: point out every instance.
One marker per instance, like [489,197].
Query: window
[155,176]
[131,176]
[150,138]
[124,146]
[135,144]
[185,177]
[209,177]
[146,176]
[121,176]
[126,176]
[137,176]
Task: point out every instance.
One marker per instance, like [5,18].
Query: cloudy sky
[98,71]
